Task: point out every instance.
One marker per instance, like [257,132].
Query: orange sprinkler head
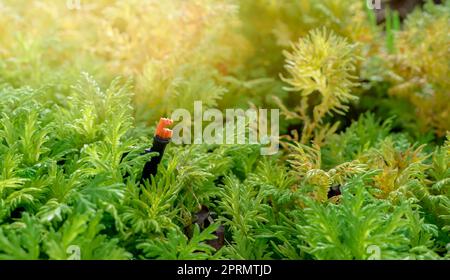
[161,130]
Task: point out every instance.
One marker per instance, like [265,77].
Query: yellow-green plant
[419,69]
[399,163]
[307,168]
[321,68]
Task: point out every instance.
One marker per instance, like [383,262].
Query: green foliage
[359,227]
[176,245]
[83,231]
[20,241]
[357,138]
[364,169]
[347,230]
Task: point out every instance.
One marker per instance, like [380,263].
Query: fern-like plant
[321,68]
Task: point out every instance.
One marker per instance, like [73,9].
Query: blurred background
[229,53]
